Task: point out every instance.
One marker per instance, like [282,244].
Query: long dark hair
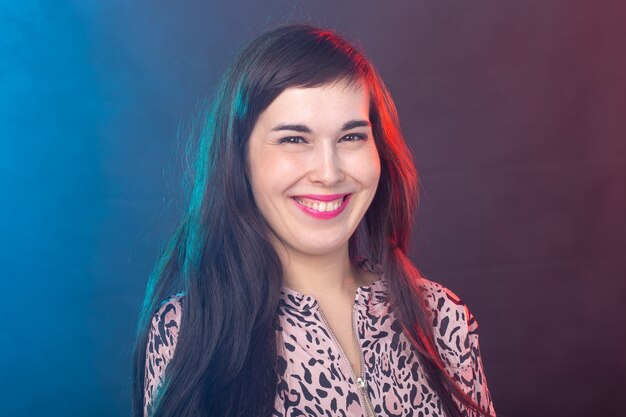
[221,257]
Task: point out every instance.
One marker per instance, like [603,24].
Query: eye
[292,139]
[354,137]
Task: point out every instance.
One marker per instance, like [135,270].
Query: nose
[325,166]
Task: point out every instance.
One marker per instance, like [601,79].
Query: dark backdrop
[515,112]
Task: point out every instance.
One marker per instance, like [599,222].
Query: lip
[321,197]
[327,214]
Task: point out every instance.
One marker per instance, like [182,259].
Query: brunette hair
[220,255]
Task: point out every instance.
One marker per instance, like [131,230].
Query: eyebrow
[305,129]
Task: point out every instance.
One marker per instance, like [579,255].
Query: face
[314,167]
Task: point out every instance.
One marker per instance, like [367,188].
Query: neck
[322,276]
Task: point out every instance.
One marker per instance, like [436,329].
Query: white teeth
[321,206]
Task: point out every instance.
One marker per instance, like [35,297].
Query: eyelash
[358,136]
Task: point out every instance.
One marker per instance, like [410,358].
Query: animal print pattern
[160,347]
[316,380]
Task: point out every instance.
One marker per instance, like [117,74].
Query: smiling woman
[286,289]
[318,188]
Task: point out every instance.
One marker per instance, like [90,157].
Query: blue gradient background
[515,114]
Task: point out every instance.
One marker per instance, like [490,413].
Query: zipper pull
[361,383]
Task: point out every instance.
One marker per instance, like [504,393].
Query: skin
[326,160]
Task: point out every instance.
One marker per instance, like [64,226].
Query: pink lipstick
[324,215]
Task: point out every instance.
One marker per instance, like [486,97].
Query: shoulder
[169,311]
[454,326]
[166,322]
[455,331]
[164,326]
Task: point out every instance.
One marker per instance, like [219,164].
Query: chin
[320,250]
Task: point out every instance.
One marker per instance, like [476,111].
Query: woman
[297,294]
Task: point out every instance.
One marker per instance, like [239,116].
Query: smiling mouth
[321,206]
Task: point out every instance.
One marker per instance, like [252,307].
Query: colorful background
[516,115]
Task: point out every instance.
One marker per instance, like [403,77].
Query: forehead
[324,104]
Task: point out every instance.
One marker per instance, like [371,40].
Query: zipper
[361,382]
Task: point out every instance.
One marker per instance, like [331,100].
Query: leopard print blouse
[316,378]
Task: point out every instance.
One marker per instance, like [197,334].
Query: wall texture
[515,112]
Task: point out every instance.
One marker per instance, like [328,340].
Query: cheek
[271,173]
[375,170]
[366,167]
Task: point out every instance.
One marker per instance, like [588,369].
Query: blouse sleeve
[475,373]
[162,338]
[456,337]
